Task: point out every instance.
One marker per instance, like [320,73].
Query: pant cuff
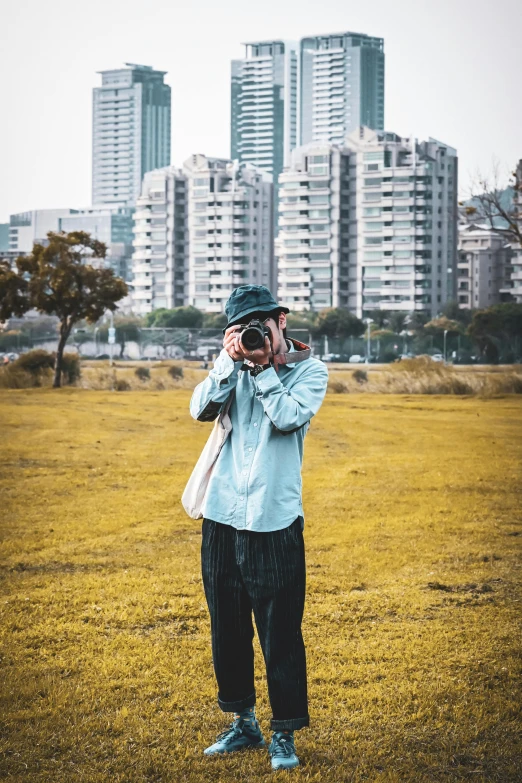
[237,706]
[292,724]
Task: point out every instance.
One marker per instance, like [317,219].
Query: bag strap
[226,406]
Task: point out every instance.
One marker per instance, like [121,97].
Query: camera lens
[253,338]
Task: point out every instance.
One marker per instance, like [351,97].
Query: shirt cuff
[267,381]
[225,366]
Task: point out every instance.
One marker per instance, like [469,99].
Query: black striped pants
[244,571]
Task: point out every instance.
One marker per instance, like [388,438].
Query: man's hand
[234,347]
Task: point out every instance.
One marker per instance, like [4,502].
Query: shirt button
[241,498]
[245,472]
[255,424]
[250,449]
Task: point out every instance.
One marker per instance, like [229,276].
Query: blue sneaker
[238,736]
[282,751]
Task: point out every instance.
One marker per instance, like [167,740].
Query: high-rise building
[341,86]
[230,230]
[201,231]
[314,225]
[264,106]
[131,132]
[484,268]
[160,255]
[369,225]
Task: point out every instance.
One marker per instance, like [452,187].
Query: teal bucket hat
[247,299]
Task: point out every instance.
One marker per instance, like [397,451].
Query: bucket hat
[247,299]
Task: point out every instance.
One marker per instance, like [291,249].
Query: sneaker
[282,751]
[237,737]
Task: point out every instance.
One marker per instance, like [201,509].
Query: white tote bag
[194,493]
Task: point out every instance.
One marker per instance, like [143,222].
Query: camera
[253,335]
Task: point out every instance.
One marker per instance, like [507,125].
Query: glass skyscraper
[131,132]
[264,107]
[341,86]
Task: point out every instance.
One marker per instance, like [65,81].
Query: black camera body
[253,335]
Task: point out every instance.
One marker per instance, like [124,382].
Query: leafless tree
[503,219]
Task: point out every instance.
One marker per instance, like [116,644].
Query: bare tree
[504,219]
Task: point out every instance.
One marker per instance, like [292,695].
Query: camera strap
[302,352]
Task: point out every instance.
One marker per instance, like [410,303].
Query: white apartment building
[230,228]
[26,228]
[516,276]
[341,86]
[160,257]
[380,212]
[314,223]
[484,268]
[131,132]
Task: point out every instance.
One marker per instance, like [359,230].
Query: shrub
[122,385]
[175,372]
[338,387]
[12,377]
[361,376]
[143,373]
[39,365]
[30,369]
[35,361]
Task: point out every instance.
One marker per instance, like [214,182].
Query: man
[252,548]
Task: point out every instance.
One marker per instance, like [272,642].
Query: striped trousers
[263,573]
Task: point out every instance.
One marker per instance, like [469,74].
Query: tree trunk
[64,334]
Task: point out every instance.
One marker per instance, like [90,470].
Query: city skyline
[46,164]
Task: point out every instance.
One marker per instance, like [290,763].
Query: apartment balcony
[137,268]
[141,294]
[143,214]
[303,291]
[141,281]
[301,278]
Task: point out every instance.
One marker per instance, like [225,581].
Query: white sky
[452,71]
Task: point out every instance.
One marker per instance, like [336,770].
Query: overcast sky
[453,71]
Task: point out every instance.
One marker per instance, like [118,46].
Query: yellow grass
[412,621]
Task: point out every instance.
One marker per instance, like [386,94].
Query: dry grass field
[413,509]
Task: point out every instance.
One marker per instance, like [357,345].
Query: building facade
[369,225]
[26,228]
[264,106]
[484,268]
[131,132]
[314,225]
[516,276]
[341,86]
[113,227]
[160,254]
[4,237]
[230,226]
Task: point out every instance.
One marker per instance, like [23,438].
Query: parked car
[437,357]
[331,357]
[356,358]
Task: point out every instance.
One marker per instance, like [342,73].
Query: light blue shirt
[256,482]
